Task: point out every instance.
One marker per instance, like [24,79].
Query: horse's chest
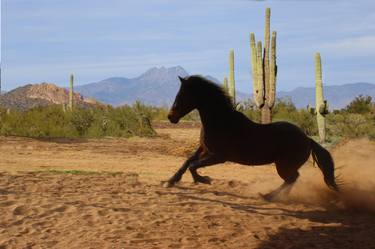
[216,142]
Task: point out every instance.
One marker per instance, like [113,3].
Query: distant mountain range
[337,96]
[28,96]
[158,87]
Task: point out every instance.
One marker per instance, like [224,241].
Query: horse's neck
[220,118]
[215,116]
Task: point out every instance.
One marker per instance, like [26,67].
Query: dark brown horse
[228,135]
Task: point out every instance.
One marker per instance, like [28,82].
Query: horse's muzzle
[173,118]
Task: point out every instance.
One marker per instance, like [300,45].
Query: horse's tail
[325,162]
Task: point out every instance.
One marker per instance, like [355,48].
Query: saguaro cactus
[232,88]
[225,83]
[264,71]
[321,106]
[71,92]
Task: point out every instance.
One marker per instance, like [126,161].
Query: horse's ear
[182,80]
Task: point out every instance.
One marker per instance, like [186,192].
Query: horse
[228,135]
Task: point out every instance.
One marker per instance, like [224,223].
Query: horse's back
[278,141]
[289,141]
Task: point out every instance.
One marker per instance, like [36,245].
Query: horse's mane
[210,90]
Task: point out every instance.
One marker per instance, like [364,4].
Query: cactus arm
[258,94]
[259,70]
[273,69]
[323,108]
[311,110]
[232,90]
[71,92]
[266,62]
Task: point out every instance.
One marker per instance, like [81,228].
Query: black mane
[209,90]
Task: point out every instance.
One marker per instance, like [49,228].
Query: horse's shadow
[335,228]
[339,231]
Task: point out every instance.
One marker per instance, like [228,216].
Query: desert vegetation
[356,120]
[54,121]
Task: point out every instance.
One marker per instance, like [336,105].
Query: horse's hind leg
[289,174]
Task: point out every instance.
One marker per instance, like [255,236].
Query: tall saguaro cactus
[264,71]
[232,88]
[71,92]
[320,104]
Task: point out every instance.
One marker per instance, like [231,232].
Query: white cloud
[353,46]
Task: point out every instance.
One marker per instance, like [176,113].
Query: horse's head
[183,103]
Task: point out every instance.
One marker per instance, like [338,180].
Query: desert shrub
[361,105]
[250,110]
[52,121]
[306,121]
[81,120]
[283,106]
[350,125]
[37,122]
[357,119]
[161,113]
[285,110]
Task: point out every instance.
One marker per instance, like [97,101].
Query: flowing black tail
[325,162]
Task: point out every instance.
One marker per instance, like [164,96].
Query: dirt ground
[48,201]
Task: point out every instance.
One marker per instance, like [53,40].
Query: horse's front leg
[178,175]
[208,160]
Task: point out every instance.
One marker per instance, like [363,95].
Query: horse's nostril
[172,117]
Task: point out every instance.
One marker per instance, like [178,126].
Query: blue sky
[46,40]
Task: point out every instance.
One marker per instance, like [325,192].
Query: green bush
[361,105]
[250,110]
[52,121]
[350,125]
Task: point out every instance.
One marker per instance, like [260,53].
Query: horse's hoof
[203,179]
[167,184]
[266,197]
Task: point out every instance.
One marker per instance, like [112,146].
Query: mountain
[337,96]
[32,95]
[157,86]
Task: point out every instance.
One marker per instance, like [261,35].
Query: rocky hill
[32,95]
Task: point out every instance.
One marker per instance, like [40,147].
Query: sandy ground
[43,208]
